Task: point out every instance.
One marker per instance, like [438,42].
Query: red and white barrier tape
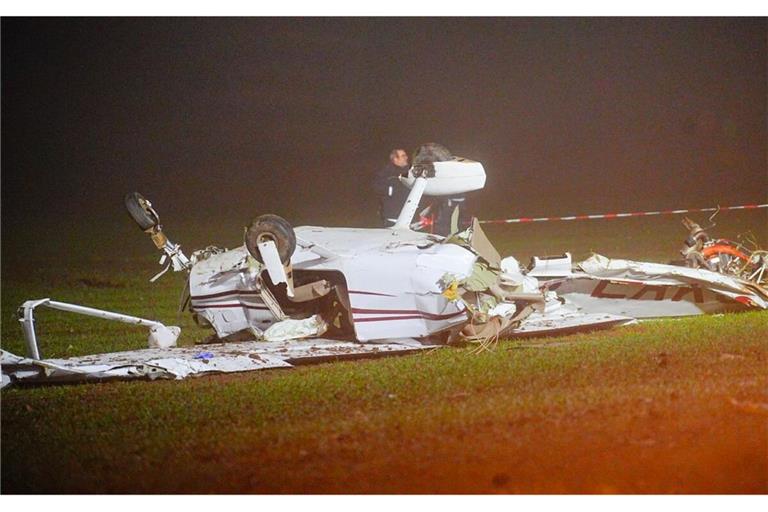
[620,215]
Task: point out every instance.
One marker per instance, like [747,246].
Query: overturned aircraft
[346,292]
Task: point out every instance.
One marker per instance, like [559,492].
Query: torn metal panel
[551,266]
[513,278]
[182,362]
[224,291]
[650,290]
[559,319]
[483,246]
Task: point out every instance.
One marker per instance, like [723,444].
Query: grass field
[664,406]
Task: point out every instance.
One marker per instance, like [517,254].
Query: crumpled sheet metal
[599,265]
[559,319]
[182,362]
[652,290]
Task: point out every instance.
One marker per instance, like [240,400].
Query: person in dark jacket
[388,188]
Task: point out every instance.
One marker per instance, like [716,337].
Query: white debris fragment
[567,321]
[183,362]
[292,329]
[512,276]
[553,266]
[503,309]
[161,336]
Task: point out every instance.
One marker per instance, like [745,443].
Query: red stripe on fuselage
[360,292]
[224,294]
[207,306]
[411,313]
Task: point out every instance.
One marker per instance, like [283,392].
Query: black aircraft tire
[271,227]
[144,218]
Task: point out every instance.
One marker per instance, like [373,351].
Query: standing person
[388,188]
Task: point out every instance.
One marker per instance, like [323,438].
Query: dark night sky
[293,115]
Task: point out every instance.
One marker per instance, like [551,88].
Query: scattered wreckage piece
[560,319]
[160,336]
[555,318]
[724,256]
[181,362]
[651,290]
[512,304]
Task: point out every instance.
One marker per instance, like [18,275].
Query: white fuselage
[391,275]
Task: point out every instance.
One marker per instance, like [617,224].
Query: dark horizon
[293,115]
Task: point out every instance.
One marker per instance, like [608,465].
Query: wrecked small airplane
[357,284]
[309,293]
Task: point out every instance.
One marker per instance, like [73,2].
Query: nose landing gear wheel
[274,228]
[141,211]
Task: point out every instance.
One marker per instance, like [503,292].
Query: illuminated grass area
[663,406]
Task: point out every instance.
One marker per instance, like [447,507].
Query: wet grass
[664,393]
[290,431]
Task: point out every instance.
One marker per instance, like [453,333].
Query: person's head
[398,157]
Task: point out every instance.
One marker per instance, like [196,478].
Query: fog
[293,116]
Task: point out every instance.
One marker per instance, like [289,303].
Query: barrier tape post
[621,215]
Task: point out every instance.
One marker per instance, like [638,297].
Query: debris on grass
[182,362]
